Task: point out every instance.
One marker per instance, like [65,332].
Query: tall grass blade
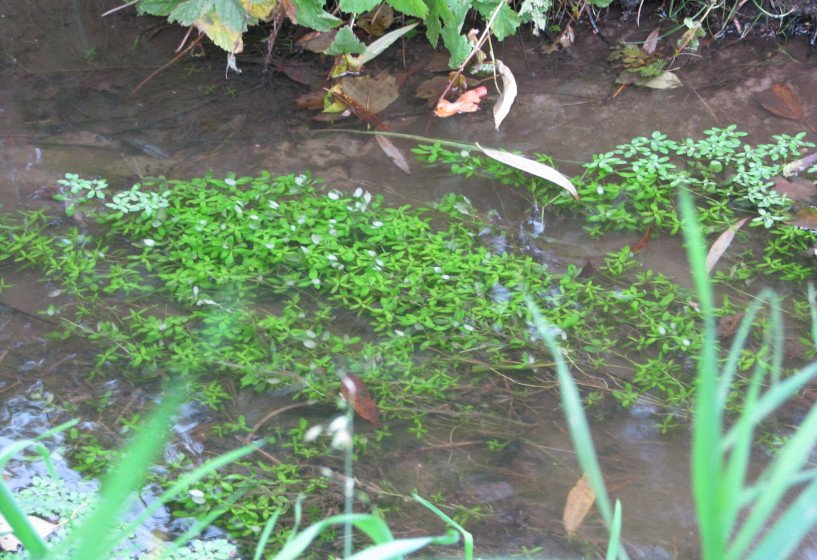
[468,539]
[265,535]
[790,529]
[615,533]
[576,421]
[708,424]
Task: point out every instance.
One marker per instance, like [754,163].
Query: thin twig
[175,58]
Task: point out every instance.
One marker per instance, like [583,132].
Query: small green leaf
[188,12]
[410,7]
[346,43]
[311,14]
[157,7]
[457,45]
[357,6]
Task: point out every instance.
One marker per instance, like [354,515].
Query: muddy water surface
[67,104]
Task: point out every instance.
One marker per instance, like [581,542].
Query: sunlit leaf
[261,10]
[384,42]
[503,105]
[345,43]
[721,244]
[533,167]
[579,501]
[416,8]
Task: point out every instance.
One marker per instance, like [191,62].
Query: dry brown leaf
[780,100]
[806,218]
[503,105]
[317,41]
[579,501]
[377,21]
[468,102]
[393,152]
[355,391]
[797,190]
[359,110]
[373,93]
[729,324]
[651,42]
[641,243]
[533,167]
[721,243]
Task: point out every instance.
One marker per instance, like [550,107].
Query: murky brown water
[67,105]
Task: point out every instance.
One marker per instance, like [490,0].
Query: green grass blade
[576,421]
[708,423]
[467,538]
[401,547]
[265,534]
[22,527]
[790,529]
[370,524]
[615,533]
[813,308]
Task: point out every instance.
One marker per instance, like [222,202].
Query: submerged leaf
[805,218]
[356,393]
[579,501]
[394,153]
[503,105]
[721,244]
[780,100]
[533,167]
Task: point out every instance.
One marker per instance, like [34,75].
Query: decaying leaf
[359,110]
[579,501]
[377,21]
[806,218]
[503,105]
[665,80]
[780,100]
[651,42]
[729,324]
[798,189]
[721,244]
[355,391]
[373,93]
[393,152]
[641,243]
[468,102]
[536,168]
[317,41]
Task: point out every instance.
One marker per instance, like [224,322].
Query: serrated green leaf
[311,14]
[456,44]
[410,7]
[357,6]
[188,12]
[346,43]
[221,35]
[506,20]
[232,15]
[157,7]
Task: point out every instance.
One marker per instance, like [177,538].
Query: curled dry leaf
[721,243]
[579,501]
[468,102]
[503,105]
[355,391]
[522,163]
[651,42]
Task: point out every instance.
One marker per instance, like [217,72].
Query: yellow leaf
[229,40]
[578,504]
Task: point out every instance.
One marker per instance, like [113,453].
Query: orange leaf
[468,102]
[359,110]
[579,501]
[641,243]
[783,102]
[355,392]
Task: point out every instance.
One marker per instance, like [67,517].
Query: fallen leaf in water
[651,42]
[806,218]
[373,93]
[394,153]
[579,501]
[728,324]
[665,80]
[298,72]
[780,100]
[799,165]
[355,392]
[468,102]
[533,167]
[317,41]
[797,190]
[641,243]
[721,243]
[377,21]
[503,105]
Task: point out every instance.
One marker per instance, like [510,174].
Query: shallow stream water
[67,104]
